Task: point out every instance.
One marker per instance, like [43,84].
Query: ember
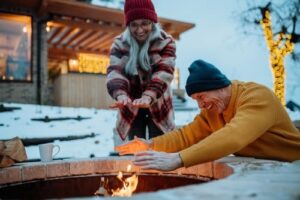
[127,187]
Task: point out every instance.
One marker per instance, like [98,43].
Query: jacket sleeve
[184,137]
[116,81]
[163,70]
[254,116]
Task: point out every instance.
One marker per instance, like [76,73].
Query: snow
[19,123]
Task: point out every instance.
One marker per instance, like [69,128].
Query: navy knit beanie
[204,77]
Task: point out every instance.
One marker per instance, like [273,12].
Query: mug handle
[57,150]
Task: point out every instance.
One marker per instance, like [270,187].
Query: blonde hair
[139,54]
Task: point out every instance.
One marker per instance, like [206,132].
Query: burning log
[122,186]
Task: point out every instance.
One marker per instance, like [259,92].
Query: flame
[129,185]
[128,168]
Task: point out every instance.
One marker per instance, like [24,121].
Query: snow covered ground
[19,123]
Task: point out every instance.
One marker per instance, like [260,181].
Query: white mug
[46,151]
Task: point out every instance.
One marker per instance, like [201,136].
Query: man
[244,119]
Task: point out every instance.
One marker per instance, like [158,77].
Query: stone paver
[81,167]
[58,170]
[32,172]
[10,175]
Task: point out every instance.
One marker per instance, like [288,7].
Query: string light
[279,47]
[24,29]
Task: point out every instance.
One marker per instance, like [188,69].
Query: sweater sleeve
[254,116]
[116,81]
[162,71]
[184,137]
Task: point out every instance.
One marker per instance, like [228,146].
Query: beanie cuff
[140,13]
[202,86]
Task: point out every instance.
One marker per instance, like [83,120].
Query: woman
[140,73]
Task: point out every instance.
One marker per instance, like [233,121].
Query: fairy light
[24,29]
[279,47]
[48,29]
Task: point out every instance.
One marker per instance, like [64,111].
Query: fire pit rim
[25,172]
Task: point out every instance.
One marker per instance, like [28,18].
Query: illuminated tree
[280,34]
[278,48]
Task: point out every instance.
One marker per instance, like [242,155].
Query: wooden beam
[88,11]
[41,10]
[29,4]
[108,40]
[92,42]
[65,35]
[89,40]
[73,38]
[178,26]
[85,11]
[175,35]
[55,33]
[84,25]
[82,40]
[111,19]
[58,53]
[80,37]
[102,37]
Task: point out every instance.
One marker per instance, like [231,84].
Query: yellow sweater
[254,124]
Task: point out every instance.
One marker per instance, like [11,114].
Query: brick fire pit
[58,175]
[252,178]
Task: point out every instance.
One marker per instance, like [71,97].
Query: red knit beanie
[139,9]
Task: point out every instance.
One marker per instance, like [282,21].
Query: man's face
[212,101]
[140,29]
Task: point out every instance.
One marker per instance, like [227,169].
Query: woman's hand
[157,160]
[143,102]
[133,146]
[122,100]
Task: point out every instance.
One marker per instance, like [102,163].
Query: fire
[129,185]
[128,168]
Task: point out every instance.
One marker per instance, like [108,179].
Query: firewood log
[12,151]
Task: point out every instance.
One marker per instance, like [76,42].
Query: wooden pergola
[81,27]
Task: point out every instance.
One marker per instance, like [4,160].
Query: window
[15,47]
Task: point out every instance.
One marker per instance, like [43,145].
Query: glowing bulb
[24,29]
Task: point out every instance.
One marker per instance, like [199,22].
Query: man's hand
[133,146]
[158,160]
[143,102]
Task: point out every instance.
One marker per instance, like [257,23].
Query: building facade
[55,52]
